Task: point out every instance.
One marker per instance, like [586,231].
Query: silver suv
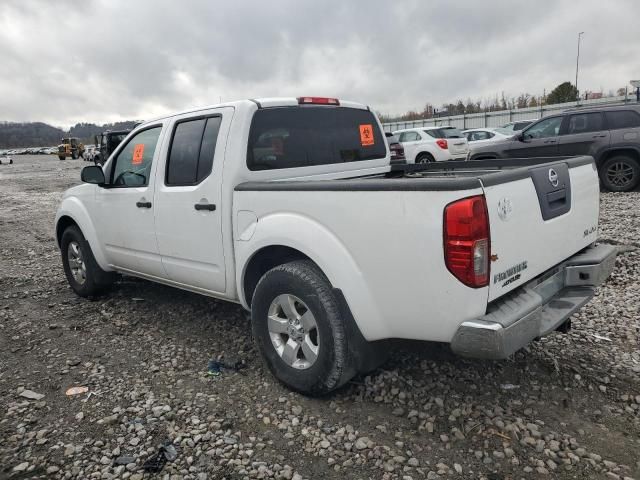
[611,135]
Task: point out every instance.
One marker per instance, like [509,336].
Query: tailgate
[458,146]
[540,220]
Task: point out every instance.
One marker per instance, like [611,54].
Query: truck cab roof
[264,102]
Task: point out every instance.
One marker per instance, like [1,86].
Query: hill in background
[38,134]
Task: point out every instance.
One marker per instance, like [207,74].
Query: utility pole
[578,63]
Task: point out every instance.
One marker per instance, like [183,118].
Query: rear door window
[293,137]
[623,119]
[585,123]
[192,150]
[409,137]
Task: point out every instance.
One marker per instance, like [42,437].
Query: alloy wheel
[76,262]
[620,174]
[293,331]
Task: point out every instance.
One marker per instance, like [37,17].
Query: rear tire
[305,344]
[74,155]
[83,273]
[620,173]
[61,157]
[425,157]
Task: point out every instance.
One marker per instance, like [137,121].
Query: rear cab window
[304,136]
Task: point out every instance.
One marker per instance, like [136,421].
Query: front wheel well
[264,260]
[63,223]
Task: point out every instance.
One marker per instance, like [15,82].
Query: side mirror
[92,174]
[520,137]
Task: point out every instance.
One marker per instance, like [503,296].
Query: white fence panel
[496,119]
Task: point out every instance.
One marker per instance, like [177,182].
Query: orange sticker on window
[366,135]
[138,154]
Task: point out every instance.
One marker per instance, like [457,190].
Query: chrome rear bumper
[537,308]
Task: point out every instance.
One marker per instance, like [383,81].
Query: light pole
[578,63]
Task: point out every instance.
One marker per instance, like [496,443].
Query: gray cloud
[65,62]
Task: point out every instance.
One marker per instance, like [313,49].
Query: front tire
[620,173]
[299,330]
[61,157]
[83,273]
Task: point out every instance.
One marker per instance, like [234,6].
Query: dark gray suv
[611,135]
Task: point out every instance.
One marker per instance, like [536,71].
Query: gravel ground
[566,407]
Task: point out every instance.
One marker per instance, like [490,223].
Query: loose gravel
[566,407]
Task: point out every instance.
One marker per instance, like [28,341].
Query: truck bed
[436,176]
[379,238]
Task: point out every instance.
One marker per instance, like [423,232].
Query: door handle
[205,206]
[551,141]
[143,204]
[599,136]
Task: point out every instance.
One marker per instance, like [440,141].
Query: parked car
[396,149]
[609,134]
[287,206]
[433,144]
[5,158]
[482,136]
[89,152]
[519,125]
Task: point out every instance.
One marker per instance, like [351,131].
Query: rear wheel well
[627,152]
[429,155]
[62,225]
[264,260]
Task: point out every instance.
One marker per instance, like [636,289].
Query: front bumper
[537,308]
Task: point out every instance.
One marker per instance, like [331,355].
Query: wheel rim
[293,331]
[620,174]
[76,263]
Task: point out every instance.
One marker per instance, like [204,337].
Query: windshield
[503,131]
[292,137]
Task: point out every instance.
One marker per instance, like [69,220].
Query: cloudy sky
[65,62]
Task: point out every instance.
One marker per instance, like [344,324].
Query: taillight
[318,101]
[466,240]
[442,143]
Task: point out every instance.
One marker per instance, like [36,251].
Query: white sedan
[481,136]
[5,158]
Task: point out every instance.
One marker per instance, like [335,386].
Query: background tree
[565,92]
[523,100]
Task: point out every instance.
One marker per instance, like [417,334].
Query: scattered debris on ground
[567,407]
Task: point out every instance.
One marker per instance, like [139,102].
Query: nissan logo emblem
[553,177]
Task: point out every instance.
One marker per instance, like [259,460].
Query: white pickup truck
[290,208]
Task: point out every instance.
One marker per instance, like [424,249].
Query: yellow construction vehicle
[70,147]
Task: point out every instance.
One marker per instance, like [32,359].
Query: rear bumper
[537,308]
